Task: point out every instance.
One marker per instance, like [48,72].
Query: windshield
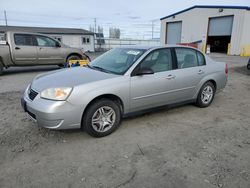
[117,61]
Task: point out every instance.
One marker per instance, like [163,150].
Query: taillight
[226,69]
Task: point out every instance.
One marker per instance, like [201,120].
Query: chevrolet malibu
[122,82]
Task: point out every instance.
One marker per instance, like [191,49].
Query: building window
[85,40]
[2,37]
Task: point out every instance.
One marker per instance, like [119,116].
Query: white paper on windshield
[133,52]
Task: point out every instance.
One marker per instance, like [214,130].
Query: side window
[158,60]
[45,41]
[201,59]
[85,40]
[186,58]
[23,40]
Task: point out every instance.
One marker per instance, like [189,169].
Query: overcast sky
[133,17]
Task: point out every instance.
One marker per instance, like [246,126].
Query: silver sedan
[122,82]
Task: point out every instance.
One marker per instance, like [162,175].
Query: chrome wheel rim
[207,94]
[103,119]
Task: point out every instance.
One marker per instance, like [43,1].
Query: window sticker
[133,52]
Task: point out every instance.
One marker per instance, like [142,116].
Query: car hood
[69,77]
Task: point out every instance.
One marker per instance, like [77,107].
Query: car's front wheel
[101,118]
[73,57]
[248,66]
[206,95]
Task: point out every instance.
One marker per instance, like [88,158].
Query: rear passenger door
[24,50]
[190,69]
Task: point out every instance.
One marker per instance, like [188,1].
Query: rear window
[23,39]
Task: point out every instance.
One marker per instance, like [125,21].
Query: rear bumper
[52,114]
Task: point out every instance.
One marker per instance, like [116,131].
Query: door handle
[169,77]
[201,72]
[17,48]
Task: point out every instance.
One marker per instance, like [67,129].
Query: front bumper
[52,114]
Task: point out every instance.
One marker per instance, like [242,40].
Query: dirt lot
[180,147]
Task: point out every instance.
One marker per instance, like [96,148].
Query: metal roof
[207,6]
[46,30]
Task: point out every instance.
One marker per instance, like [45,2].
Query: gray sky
[133,17]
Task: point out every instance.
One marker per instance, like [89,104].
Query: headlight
[59,94]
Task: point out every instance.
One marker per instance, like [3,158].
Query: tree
[91,29]
[114,33]
[100,29]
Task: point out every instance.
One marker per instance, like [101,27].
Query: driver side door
[152,90]
[48,51]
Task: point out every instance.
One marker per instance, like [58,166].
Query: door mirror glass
[145,71]
[58,44]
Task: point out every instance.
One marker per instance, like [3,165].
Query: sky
[135,18]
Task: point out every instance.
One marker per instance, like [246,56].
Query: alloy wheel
[207,94]
[103,119]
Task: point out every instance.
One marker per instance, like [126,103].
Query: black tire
[248,66]
[1,68]
[73,57]
[61,65]
[93,109]
[200,102]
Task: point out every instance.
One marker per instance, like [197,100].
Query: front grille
[32,94]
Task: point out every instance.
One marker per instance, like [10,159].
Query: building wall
[115,43]
[245,39]
[76,41]
[195,26]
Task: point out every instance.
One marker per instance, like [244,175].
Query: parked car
[28,49]
[248,64]
[122,82]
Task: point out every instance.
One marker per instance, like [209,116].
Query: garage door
[220,26]
[173,33]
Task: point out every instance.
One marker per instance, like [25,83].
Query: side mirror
[144,71]
[58,45]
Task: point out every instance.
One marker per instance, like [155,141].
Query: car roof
[27,33]
[139,47]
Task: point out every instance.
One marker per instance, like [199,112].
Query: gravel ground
[180,147]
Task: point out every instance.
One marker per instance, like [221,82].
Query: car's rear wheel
[206,95]
[101,118]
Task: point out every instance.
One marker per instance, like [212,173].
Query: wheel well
[112,97]
[76,54]
[214,83]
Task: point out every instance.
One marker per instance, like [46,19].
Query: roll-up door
[221,26]
[173,35]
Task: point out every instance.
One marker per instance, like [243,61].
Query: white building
[223,29]
[78,38]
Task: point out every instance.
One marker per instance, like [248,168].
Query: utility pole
[152,29]
[95,24]
[5,17]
